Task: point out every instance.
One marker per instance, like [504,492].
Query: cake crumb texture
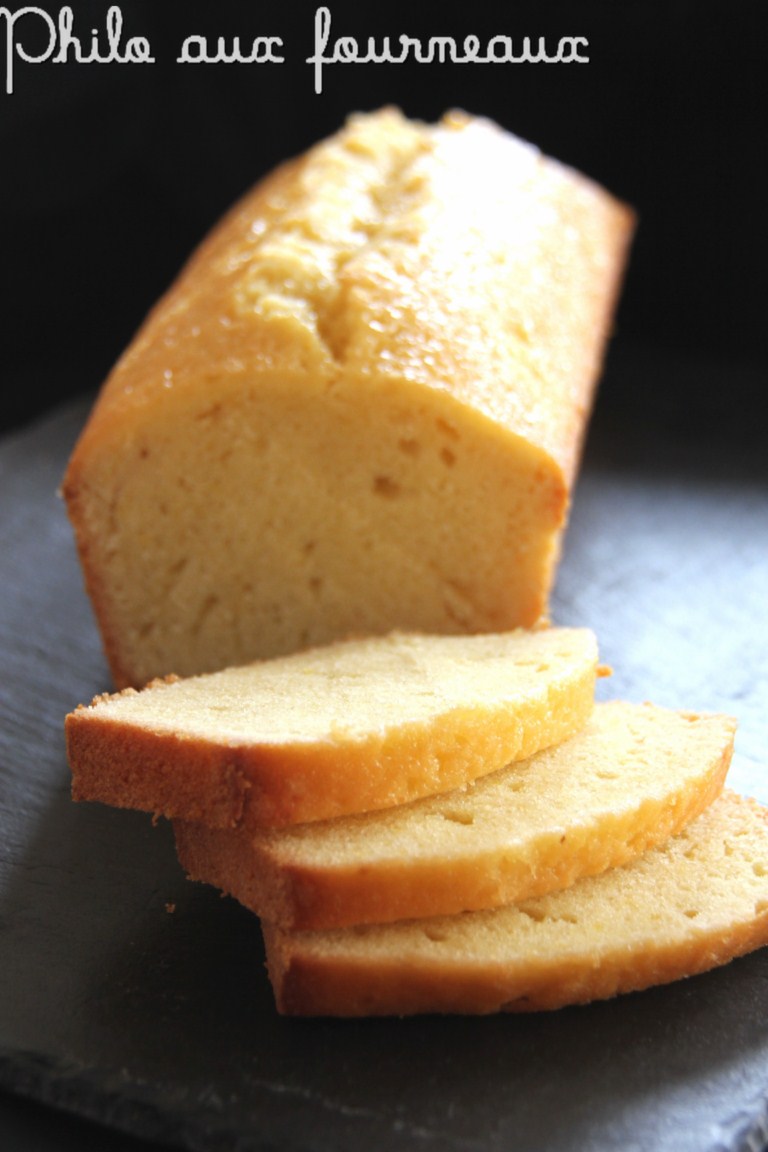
[353,726]
[360,407]
[684,908]
[632,777]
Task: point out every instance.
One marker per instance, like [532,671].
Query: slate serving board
[135,998]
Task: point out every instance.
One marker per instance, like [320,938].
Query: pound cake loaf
[691,905]
[360,407]
[634,776]
[354,726]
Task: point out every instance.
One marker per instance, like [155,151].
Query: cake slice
[360,407]
[354,726]
[634,776]
[691,905]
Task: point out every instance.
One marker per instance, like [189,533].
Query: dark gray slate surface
[161,1022]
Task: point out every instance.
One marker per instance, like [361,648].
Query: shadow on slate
[129,996]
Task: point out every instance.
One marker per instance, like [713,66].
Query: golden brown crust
[306,986]
[227,787]
[226,783]
[681,910]
[664,770]
[364,269]
[158,774]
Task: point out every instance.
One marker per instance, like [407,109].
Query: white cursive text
[194,50]
[62,44]
[443,49]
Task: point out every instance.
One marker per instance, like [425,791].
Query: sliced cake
[350,727]
[635,775]
[688,906]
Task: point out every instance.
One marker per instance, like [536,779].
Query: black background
[111,174]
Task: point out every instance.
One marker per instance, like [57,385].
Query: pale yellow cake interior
[627,757]
[360,690]
[633,776]
[713,873]
[692,904]
[360,407]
